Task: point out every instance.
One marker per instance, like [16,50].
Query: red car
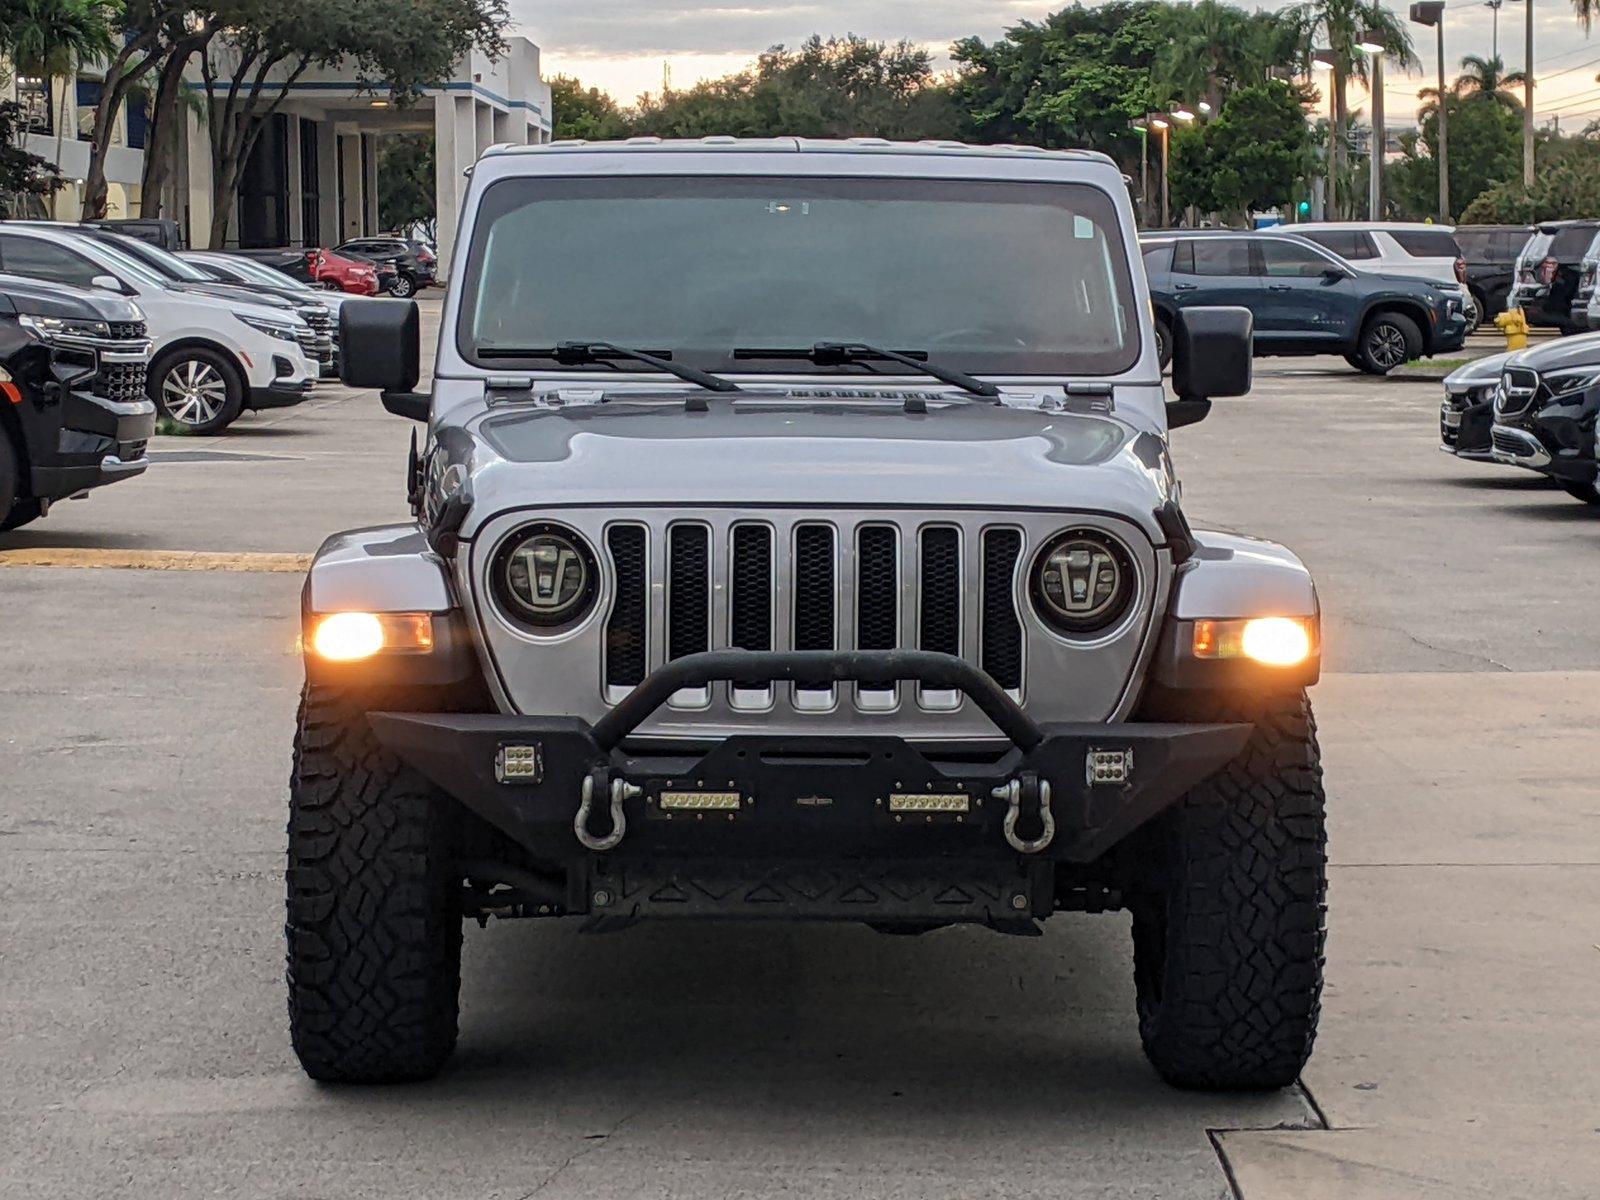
[338,273]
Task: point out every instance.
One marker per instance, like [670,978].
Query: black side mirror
[1212,355]
[1334,274]
[380,346]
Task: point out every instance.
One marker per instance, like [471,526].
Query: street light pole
[1494,7]
[1323,60]
[1431,12]
[1527,106]
[1373,47]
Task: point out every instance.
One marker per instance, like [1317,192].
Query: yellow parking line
[156,560]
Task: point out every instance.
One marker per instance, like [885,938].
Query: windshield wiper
[840,354]
[582,354]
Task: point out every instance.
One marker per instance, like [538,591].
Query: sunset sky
[622,45]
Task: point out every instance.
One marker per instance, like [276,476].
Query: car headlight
[56,328]
[1564,383]
[1083,582]
[545,576]
[273,329]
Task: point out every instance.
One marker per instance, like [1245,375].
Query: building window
[34,100]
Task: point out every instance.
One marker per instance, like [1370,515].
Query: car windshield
[168,264]
[126,265]
[980,276]
[264,275]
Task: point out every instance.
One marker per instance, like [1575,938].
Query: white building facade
[312,178]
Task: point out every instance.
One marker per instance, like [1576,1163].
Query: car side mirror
[380,346]
[1212,356]
[108,283]
[1334,274]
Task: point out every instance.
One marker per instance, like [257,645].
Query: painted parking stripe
[157,560]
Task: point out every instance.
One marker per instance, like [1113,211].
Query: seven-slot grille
[795,596]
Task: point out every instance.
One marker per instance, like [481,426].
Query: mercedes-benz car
[1544,413]
[797,536]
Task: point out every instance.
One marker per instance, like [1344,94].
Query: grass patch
[167,427]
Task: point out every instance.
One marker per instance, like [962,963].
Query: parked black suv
[1305,299]
[1549,272]
[1491,252]
[73,409]
[1544,413]
[414,264]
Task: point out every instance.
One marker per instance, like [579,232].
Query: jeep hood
[796,451]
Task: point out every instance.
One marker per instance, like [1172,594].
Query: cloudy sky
[622,45]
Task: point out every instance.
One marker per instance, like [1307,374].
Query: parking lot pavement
[143,754]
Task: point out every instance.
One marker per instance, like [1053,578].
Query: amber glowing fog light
[354,636]
[1271,641]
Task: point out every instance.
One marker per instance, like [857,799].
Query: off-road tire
[1229,933]
[1589,493]
[374,920]
[1384,334]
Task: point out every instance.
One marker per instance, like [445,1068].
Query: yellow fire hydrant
[1514,325]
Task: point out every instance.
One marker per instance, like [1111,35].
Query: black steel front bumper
[1057,793]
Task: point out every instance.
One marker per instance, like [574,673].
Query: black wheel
[374,923]
[1587,492]
[1163,342]
[1229,932]
[20,513]
[11,501]
[405,286]
[198,389]
[1480,307]
[1388,340]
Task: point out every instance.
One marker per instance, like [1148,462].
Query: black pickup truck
[73,409]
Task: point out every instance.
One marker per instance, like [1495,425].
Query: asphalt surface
[145,724]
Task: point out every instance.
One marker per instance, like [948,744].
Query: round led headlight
[1084,581]
[545,575]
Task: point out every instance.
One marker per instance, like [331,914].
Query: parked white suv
[212,358]
[1397,248]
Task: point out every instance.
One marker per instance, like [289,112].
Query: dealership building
[312,178]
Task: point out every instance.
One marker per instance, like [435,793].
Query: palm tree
[1339,25]
[53,38]
[1488,77]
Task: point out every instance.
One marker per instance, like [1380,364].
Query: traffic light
[1304,208]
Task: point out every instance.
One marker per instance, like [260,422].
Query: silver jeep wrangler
[796,538]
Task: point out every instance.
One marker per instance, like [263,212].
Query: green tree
[584,113]
[1566,186]
[50,38]
[1485,148]
[1339,26]
[1252,157]
[401,45]
[839,87]
[24,177]
[406,195]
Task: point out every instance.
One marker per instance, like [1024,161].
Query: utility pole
[1527,107]
[1431,12]
[1494,7]
[1326,60]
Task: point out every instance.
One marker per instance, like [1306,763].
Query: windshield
[126,265]
[982,277]
[168,264]
[263,275]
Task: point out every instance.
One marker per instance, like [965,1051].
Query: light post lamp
[1431,12]
[1371,45]
[1323,60]
[1494,7]
[1182,116]
[1162,126]
[1527,107]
